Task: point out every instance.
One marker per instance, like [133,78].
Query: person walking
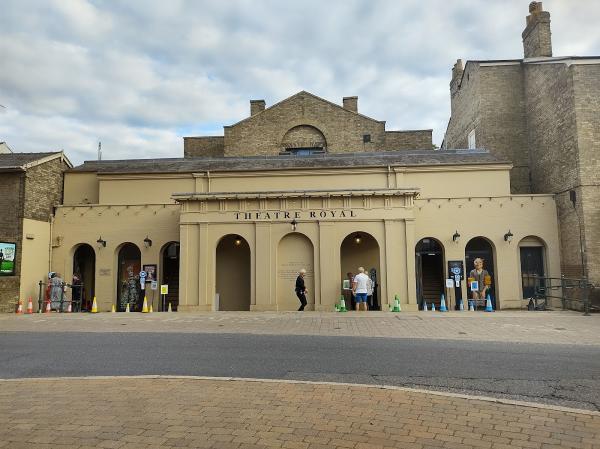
[301,289]
[360,288]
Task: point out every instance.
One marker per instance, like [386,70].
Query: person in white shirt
[360,285]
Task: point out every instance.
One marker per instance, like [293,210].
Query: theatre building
[305,183]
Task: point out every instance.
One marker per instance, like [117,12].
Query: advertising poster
[8,252]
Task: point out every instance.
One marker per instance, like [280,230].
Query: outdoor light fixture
[237,241]
[294,224]
[101,242]
[508,236]
[147,242]
[456,236]
[357,239]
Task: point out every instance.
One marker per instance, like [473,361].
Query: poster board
[8,254]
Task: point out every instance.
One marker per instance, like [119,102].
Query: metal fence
[573,293]
[55,294]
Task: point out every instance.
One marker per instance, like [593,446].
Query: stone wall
[464,106]
[12,186]
[209,146]
[408,140]
[504,124]
[262,134]
[44,189]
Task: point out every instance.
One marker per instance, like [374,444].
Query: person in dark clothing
[301,289]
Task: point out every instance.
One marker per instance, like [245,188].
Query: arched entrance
[128,281]
[359,249]
[233,273]
[294,252]
[480,247]
[533,263]
[169,270]
[84,277]
[429,267]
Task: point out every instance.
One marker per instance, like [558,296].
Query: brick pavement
[153,412]
[510,326]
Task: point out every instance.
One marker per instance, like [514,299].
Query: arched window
[303,140]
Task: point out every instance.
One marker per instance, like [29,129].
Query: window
[366,138]
[471,140]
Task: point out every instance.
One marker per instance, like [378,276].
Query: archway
[128,281]
[429,267]
[170,275]
[304,139]
[532,253]
[294,252]
[84,277]
[480,247]
[359,249]
[233,273]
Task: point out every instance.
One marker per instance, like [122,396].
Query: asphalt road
[554,374]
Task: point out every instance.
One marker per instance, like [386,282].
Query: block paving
[169,412]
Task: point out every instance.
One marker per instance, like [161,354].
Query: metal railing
[63,301]
[573,293]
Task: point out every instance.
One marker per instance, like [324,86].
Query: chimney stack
[257,106]
[457,73]
[351,103]
[537,39]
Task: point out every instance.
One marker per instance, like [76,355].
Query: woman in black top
[301,289]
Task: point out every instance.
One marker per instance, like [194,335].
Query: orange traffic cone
[48,309]
[69,309]
[29,306]
[20,308]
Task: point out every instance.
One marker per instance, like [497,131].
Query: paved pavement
[154,413]
[527,327]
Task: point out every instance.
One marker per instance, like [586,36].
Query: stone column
[263,297]
[329,260]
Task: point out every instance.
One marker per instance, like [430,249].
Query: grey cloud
[133,72]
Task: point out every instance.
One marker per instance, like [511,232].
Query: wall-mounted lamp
[456,237]
[101,242]
[294,224]
[147,242]
[508,236]
[237,241]
[357,239]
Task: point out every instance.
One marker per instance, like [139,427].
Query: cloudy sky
[139,75]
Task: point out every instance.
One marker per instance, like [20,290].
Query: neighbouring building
[31,186]
[305,183]
[541,113]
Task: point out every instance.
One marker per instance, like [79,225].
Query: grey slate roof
[16,161]
[250,163]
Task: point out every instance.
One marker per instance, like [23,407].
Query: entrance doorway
[531,252]
[480,247]
[170,275]
[429,265]
[294,252]
[128,281]
[359,249]
[233,273]
[84,277]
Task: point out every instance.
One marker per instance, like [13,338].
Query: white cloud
[134,72]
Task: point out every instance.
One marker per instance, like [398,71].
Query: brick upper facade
[543,114]
[305,121]
[31,185]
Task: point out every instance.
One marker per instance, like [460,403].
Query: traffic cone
[94,306]
[20,308]
[145,306]
[69,309]
[170,310]
[425,307]
[461,306]
[488,304]
[113,309]
[432,306]
[127,308]
[48,308]
[443,304]
[397,307]
[150,309]
[29,306]
[471,307]
[342,305]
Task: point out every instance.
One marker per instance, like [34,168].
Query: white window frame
[471,140]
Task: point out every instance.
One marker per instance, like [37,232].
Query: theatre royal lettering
[301,215]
